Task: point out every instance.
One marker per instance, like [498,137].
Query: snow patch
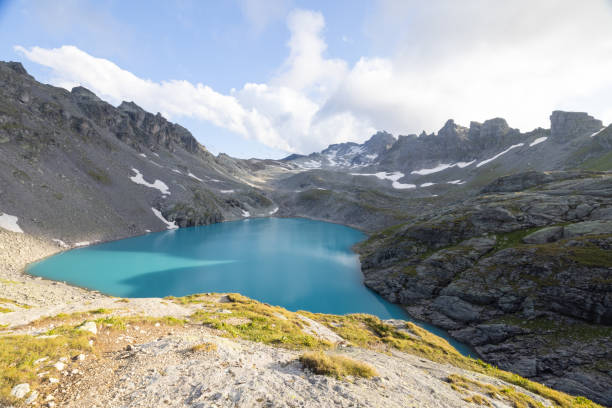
[441,167]
[456,182]
[482,163]
[158,184]
[245,213]
[427,184]
[598,132]
[142,155]
[169,225]
[176,171]
[226,191]
[82,244]
[538,141]
[274,211]
[9,222]
[193,176]
[465,164]
[389,176]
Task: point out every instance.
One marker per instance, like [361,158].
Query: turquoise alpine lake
[295,263]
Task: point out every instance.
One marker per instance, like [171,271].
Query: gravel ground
[16,251]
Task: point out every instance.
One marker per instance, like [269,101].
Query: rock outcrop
[523,276]
[567,125]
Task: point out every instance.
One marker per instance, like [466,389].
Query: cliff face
[522,273]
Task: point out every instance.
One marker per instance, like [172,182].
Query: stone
[587,228]
[59,366]
[549,234]
[89,326]
[20,390]
[457,308]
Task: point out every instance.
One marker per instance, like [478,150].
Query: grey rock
[549,234]
[20,390]
[567,125]
[457,308]
[587,228]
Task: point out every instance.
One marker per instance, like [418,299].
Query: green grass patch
[600,163]
[13,302]
[18,353]
[100,311]
[265,324]
[509,395]
[512,239]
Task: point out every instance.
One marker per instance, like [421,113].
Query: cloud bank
[469,60]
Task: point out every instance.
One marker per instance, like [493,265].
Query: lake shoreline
[39,291]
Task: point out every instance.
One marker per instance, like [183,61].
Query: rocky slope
[77,169]
[521,272]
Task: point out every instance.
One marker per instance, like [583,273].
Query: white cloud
[469,60]
[281,114]
[477,59]
[174,98]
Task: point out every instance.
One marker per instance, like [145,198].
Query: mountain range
[501,237]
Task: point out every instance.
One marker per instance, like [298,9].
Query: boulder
[587,228]
[549,234]
[20,390]
[457,309]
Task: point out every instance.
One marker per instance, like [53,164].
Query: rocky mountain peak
[452,130]
[568,125]
[379,142]
[492,133]
[130,107]
[495,126]
[17,67]
[84,93]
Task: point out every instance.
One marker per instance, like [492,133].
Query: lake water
[292,262]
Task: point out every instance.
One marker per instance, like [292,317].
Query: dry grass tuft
[336,366]
[205,347]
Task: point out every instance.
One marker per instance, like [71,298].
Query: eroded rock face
[525,277]
[567,125]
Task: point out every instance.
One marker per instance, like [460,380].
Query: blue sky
[263,78]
